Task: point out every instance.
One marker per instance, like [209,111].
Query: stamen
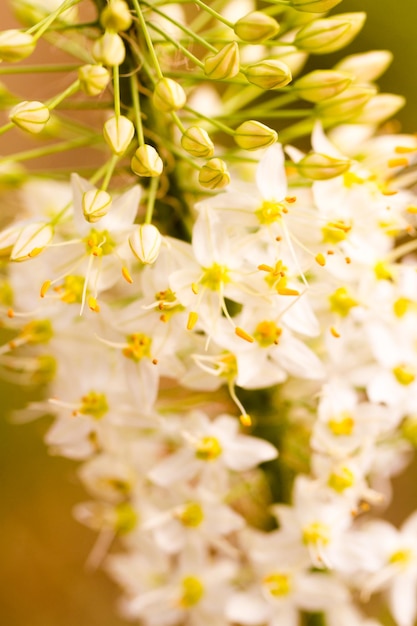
[192,320]
[93,304]
[244,335]
[398,162]
[126,275]
[334,332]
[320,259]
[45,288]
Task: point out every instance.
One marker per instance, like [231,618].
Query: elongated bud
[256,27]
[224,64]
[252,135]
[197,142]
[145,243]
[116,16]
[93,79]
[314,6]
[109,49]
[147,162]
[95,204]
[269,74]
[118,133]
[30,116]
[321,84]
[31,241]
[322,167]
[367,66]
[346,104]
[168,95]
[214,174]
[329,34]
[15,45]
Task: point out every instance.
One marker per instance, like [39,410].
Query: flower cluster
[234,370]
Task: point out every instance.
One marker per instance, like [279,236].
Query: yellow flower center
[126,518]
[316,533]
[267,333]
[342,425]
[404,374]
[278,584]
[71,290]
[341,480]
[208,449]
[192,591]
[335,232]
[37,331]
[192,515]
[215,277]
[99,243]
[341,302]
[402,306]
[401,557]
[138,347]
[270,212]
[383,271]
[94,404]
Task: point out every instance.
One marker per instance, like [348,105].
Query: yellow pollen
[402,306]
[267,333]
[401,557]
[342,425]
[245,420]
[194,288]
[244,335]
[278,584]
[350,179]
[192,320]
[335,232]
[412,209]
[290,199]
[265,268]
[93,304]
[398,162]
[387,192]
[316,533]
[208,449]
[320,259]
[404,374]
[126,275]
[191,515]
[138,347]
[35,252]
[45,288]
[192,591]
[383,271]
[10,313]
[334,332]
[348,260]
[404,150]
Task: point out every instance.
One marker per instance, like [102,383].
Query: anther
[10,313]
[126,275]
[93,304]
[398,162]
[192,320]
[320,259]
[334,332]
[290,199]
[45,288]
[245,420]
[244,335]
[194,288]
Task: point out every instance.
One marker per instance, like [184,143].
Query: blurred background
[43,581]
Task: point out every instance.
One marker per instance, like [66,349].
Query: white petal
[270,175]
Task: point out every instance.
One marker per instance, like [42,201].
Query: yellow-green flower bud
[197,142]
[321,84]
[346,104]
[314,6]
[15,45]
[31,241]
[145,243]
[147,162]
[109,49]
[256,27]
[316,166]
[118,133]
[252,135]
[224,64]
[96,204]
[168,95]
[116,16]
[93,79]
[329,34]
[269,74]
[30,116]
[214,174]
[367,66]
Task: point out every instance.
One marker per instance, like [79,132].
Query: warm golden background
[42,549]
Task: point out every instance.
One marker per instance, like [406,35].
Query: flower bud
[145,243]
[15,45]
[329,34]
[321,84]
[214,174]
[223,64]
[93,79]
[256,27]
[146,161]
[316,166]
[367,66]
[346,104]
[95,204]
[314,6]
[116,16]
[30,116]
[269,74]
[197,142]
[168,95]
[109,49]
[118,133]
[380,108]
[32,240]
[252,135]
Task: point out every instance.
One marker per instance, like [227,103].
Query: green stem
[212,121]
[116,91]
[6,127]
[51,149]
[41,27]
[109,171]
[37,69]
[175,43]
[178,122]
[136,109]
[69,91]
[214,13]
[153,187]
[148,38]
[184,28]
[259,113]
